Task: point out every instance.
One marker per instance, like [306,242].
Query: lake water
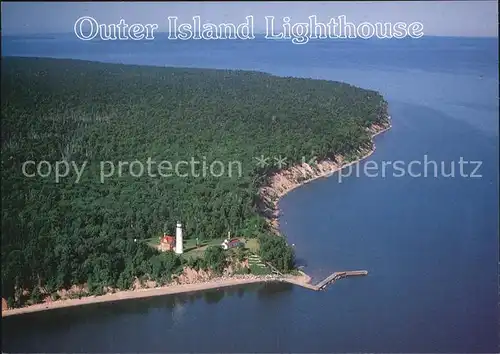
[430,244]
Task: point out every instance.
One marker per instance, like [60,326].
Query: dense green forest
[75,231]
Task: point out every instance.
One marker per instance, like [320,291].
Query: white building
[178,239]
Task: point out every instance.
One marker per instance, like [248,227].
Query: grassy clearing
[258,270]
[252,244]
[257,267]
[191,251]
[153,241]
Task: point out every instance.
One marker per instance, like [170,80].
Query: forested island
[80,229]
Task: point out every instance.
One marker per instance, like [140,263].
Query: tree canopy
[80,228]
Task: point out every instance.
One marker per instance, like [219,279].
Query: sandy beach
[217,283]
[165,290]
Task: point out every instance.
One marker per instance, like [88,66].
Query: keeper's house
[231,243]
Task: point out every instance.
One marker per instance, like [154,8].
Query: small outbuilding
[231,243]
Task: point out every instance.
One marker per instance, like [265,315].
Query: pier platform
[328,280]
[339,275]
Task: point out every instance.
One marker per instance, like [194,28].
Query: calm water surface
[429,243]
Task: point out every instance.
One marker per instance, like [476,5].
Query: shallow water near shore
[429,243]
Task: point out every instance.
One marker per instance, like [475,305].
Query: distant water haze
[430,244]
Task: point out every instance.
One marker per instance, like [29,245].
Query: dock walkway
[339,275]
[328,280]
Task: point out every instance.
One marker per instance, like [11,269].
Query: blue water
[430,244]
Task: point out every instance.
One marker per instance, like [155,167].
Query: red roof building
[234,242]
[167,243]
[168,239]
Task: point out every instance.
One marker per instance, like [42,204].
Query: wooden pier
[325,282]
[339,275]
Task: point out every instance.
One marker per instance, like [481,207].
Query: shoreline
[272,194]
[276,193]
[216,283]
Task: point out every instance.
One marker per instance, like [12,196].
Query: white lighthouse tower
[178,239]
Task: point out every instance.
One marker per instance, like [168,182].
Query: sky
[439,18]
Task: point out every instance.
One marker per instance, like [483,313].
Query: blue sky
[443,18]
